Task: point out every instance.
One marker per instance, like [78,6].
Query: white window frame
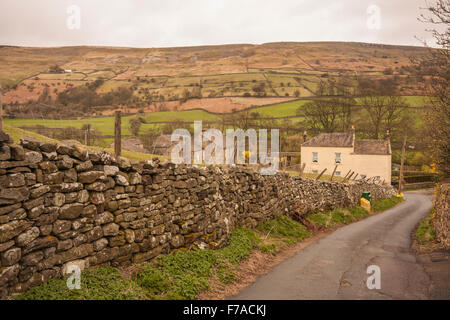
[337,159]
[315,157]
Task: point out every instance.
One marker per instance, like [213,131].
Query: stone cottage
[367,158]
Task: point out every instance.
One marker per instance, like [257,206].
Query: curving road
[335,267]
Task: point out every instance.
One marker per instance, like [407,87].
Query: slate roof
[134,145]
[372,147]
[335,139]
[346,139]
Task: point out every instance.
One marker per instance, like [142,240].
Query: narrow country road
[335,267]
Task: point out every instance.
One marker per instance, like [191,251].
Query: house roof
[134,145]
[335,139]
[163,141]
[372,147]
[346,139]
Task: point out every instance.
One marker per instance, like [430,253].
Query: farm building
[163,145]
[134,145]
[367,158]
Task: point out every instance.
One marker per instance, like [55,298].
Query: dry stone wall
[442,215]
[62,204]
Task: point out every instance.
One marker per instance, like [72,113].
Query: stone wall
[60,204]
[442,215]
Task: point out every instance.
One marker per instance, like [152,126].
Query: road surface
[335,267]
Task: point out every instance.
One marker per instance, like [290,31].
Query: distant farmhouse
[134,145]
[367,158]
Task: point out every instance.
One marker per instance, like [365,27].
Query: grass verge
[425,232]
[337,217]
[386,203]
[186,273]
[180,275]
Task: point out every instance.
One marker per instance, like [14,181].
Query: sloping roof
[134,145]
[372,147]
[163,141]
[335,139]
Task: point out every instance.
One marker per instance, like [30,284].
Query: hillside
[215,78]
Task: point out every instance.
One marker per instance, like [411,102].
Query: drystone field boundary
[441,221]
[61,204]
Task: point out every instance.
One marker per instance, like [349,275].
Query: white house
[367,158]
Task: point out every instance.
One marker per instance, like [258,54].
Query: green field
[105,125]
[284,109]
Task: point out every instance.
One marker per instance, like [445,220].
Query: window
[337,157]
[315,171]
[338,173]
[315,157]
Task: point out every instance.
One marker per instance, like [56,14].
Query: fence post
[347,173]
[88,134]
[117,134]
[323,171]
[332,175]
[302,168]
[349,177]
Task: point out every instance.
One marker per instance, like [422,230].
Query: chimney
[305,136]
[388,141]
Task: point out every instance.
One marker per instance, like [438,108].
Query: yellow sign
[365,204]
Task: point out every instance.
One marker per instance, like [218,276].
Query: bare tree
[135,126]
[320,115]
[383,111]
[437,116]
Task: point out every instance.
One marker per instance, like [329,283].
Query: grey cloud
[154,23]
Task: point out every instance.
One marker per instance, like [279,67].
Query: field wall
[62,204]
[442,215]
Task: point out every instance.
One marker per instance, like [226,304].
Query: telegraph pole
[117,134]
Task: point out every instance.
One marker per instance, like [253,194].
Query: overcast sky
[162,23]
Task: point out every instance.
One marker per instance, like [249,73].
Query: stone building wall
[442,215]
[60,204]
